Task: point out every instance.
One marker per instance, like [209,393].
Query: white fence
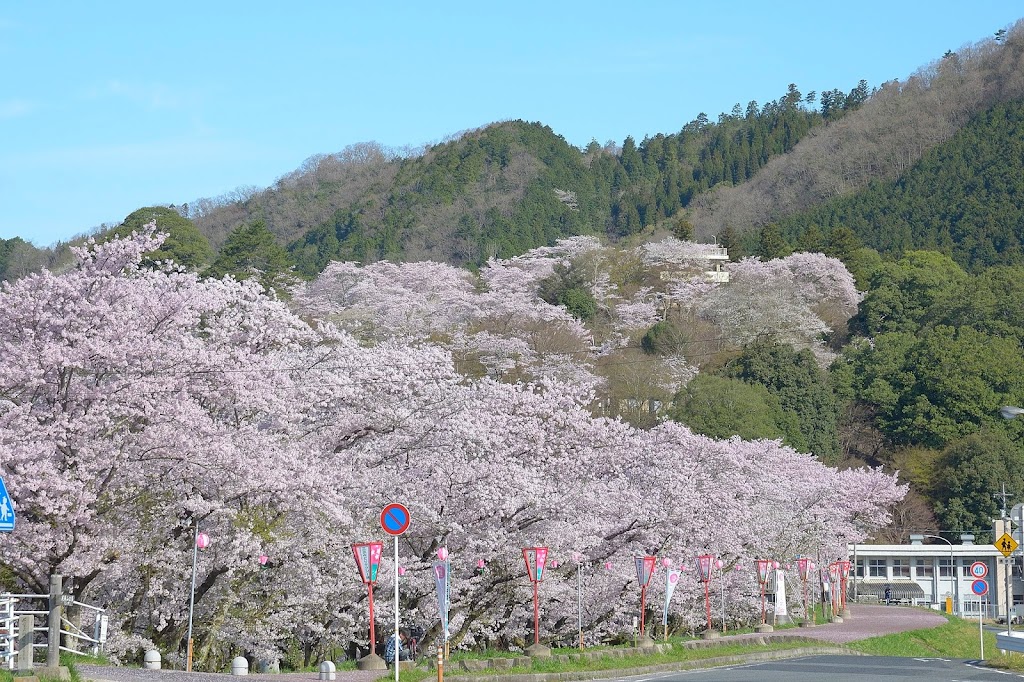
[14,606]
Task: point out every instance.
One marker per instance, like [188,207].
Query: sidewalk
[867,621]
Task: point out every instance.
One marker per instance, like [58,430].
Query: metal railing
[12,608]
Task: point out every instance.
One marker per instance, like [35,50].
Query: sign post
[395,520]
[1006,545]
[980,588]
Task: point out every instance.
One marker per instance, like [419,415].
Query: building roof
[938,550]
[900,589]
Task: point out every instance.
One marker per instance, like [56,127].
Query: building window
[900,568]
[859,568]
[876,568]
[924,568]
[944,570]
[965,569]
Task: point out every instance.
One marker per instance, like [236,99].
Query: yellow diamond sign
[1006,544]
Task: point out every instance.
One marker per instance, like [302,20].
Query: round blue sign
[394,519]
[979,587]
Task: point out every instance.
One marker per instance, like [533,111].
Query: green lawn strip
[956,639]
[676,655]
[66,660]
[1011,661]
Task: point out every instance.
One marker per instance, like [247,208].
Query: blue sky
[106,107]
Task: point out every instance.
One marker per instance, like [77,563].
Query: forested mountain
[509,187]
[896,126]
[962,198]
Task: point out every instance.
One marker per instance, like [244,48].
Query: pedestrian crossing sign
[6,510]
[1006,544]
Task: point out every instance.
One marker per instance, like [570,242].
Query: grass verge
[65,660]
[958,638]
[676,655]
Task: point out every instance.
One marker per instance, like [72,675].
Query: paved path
[867,621]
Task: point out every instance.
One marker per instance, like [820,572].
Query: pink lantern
[263,559]
[719,564]
[202,541]
[401,570]
[666,562]
[554,564]
[442,554]
[608,565]
[480,563]
[577,557]
[775,565]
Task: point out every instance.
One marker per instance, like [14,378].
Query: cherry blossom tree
[138,404]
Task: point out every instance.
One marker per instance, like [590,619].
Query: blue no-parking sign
[6,510]
[979,587]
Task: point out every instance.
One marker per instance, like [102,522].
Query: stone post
[25,637]
[53,623]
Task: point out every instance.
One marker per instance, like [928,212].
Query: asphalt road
[838,669]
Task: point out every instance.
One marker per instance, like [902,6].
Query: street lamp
[535,558]
[704,564]
[763,566]
[804,566]
[917,537]
[367,556]
[644,570]
[202,541]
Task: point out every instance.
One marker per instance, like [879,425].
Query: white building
[929,574]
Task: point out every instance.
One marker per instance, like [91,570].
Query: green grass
[958,638]
[676,655]
[65,660]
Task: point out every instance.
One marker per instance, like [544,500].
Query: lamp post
[804,565]
[367,556]
[844,575]
[952,567]
[201,541]
[763,566]
[536,558]
[645,566]
[704,564]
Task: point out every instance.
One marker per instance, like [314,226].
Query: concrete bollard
[327,671]
[152,660]
[239,666]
